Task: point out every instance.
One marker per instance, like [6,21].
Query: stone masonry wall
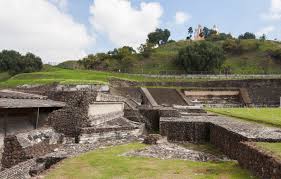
[259,162]
[22,147]
[263,92]
[227,141]
[196,132]
[70,119]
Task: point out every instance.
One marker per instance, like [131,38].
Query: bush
[240,46]
[275,54]
[201,57]
[70,65]
[247,35]
[219,37]
[231,46]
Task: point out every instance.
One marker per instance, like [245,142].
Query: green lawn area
[271,116]
[67,76]
[274,148]
[107,163]
[4,76]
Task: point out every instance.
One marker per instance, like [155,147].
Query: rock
[152,139]
[37,169]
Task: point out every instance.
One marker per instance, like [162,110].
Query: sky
[60,30]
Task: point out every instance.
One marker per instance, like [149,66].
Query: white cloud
[124,24]
[61,4]
[274,11]
[182,17]
[265,30]
[39,27]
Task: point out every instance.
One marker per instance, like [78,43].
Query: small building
[23,112]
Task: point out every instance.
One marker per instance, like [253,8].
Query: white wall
[102,108]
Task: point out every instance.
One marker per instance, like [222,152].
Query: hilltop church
[199,32]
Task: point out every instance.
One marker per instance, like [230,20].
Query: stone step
[98,120]
[112,134]
[90,130]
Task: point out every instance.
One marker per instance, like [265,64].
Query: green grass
[107,163]
[271,116]
[274,148]
[67,76]
[4,76]
[254,60]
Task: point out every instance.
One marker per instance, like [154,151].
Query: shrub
[231,46]
[275,54]
[247,35]
[240,46]
[201,56]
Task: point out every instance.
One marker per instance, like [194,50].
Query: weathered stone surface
[229,135]
[22,147]
[152,139]
[70,119]
[167,150]
[259,162]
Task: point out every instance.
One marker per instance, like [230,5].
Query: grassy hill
[67,76]
[253,60]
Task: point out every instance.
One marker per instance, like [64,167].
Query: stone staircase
[110,127]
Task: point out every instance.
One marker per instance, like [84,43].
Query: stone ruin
[93,118]
[22,147]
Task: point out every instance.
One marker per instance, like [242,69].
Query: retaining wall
[196,132]
[225,140]
[259,162]
[262,92]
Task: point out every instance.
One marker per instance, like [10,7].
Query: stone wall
[259,162]
[263,92]
[225,140]
[25,146]
[70,119]
[196,132]
[153,117]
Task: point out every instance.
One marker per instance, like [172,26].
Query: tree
[190,32]
[247,35]
[201,56]
[206,32]
[217,37]
[263,37]
[159,37]
[15,63]
[146,50]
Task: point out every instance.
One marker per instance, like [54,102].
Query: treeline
[123,59]
[15,63]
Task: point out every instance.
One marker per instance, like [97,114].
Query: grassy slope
[107,163]
[67,76]
[251,62]
[271,116]
[4,76]
[274,148]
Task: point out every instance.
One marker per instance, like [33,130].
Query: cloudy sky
[58,30]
